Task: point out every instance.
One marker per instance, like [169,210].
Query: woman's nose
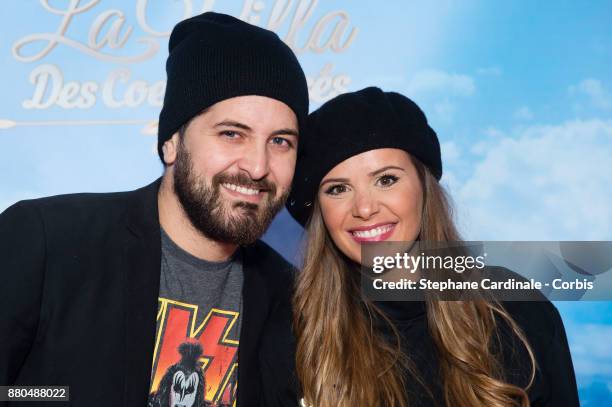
[365,205]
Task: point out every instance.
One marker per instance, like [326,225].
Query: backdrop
[520,94]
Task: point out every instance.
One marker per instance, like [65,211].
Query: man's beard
[209,212]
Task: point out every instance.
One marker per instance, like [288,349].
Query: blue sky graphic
[520,94]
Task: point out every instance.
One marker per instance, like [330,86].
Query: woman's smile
[373,233]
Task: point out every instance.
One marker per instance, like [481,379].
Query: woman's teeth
[372,232]
[242,190]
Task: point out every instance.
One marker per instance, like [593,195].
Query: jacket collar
[256,304]
[142,215]
[142,247]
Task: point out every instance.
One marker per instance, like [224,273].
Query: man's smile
[249,194]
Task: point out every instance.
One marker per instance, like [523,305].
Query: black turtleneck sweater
[554,384]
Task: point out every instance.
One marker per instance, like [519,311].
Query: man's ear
[169,149]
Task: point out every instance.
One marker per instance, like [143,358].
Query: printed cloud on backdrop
[442,89]
[439,81]
[489,71]
[541,183]
[523,113]
[594,91]
[591,350]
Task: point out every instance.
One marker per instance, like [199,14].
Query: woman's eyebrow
[383,169]
[371,174]
[339,180]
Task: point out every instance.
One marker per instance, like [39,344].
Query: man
[164,294]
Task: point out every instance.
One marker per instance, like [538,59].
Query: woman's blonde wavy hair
[342,361]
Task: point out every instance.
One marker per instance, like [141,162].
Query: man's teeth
[242,190]
[372,232]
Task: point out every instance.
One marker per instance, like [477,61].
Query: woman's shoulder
[539,320]
[542,327]
[555,381]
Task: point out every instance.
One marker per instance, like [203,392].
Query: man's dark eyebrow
[284,132]
[231,123]
[383,169]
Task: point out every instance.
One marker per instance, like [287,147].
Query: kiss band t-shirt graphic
[196,358]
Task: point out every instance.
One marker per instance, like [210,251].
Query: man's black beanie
[351,124]
[214,57]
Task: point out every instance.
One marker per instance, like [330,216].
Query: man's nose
[255,161]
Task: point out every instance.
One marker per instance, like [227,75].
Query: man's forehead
[252,110]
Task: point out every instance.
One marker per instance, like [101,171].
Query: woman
[369,171]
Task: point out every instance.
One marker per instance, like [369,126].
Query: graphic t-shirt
[195,362]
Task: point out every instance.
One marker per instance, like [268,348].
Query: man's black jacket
[78,298]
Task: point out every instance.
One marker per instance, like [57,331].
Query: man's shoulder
[270,263]
[75,201]
[76,205]
[72,219]
[265,256]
